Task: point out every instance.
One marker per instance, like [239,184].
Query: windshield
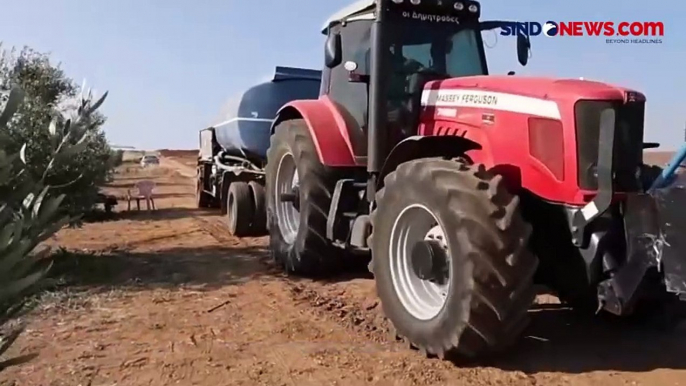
[445,48]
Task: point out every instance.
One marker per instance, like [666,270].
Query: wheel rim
[287,216]
[423,299]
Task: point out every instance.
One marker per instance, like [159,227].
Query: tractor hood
[539,88]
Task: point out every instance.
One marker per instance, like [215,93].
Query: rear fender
[418,146]
[327,129]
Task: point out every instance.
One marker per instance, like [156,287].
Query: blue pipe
[667,174]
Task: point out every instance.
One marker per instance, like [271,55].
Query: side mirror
[333,50]
[523,46]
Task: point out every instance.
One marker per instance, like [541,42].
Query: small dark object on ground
[108,200]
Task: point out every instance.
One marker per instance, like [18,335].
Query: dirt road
[167,298]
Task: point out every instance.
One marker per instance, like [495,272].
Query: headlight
[458,6]
[473,8]
[398,1]
[415,2]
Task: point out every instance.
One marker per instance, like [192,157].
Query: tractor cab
[380,55]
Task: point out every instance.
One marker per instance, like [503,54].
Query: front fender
[418,146]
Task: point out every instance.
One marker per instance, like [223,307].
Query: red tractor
[468,189]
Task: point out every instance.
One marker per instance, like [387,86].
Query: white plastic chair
[143,191]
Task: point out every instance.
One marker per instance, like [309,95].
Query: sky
[169,65]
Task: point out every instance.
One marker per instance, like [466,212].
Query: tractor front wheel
[450,258]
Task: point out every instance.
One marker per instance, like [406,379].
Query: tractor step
[344,203]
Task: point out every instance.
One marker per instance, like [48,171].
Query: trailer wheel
[450,258]
[239,207]
[259,222]
[202,198]
[299,190]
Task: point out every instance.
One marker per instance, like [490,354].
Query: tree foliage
[31,210]
[51,96]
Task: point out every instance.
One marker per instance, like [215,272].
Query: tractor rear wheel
[299,191]
[240,211]
[450,258]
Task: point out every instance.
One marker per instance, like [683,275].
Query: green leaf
[11,259]
[5,213]
[67,126]
[28,200]
[53,228]
[39,200]
[22,154]
[99,103]
[76,148]
[5,174]
[17,287]
[25,266]
[16,232]
[6,236]
[49,209]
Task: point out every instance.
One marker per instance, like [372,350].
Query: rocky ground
[168,298]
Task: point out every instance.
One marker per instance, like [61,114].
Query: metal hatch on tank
[232,155]
[243,128]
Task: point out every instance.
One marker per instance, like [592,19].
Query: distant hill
[657,157]
[177,153]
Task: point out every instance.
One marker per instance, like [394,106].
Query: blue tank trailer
[232,155]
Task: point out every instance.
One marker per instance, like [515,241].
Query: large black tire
[259,223]
[310,253]
[240,211]
[227,179]
[491,275]
[202,198]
